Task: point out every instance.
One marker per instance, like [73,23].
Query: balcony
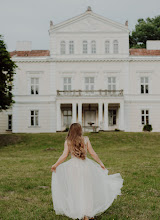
[115,93]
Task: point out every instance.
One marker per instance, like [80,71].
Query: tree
[7,71]
[148,29]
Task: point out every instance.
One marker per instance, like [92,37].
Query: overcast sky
[28,20]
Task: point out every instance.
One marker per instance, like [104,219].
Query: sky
[29,20]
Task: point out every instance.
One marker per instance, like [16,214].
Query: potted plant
[147,127]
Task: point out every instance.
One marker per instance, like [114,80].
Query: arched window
[85,46]
[115,46]
[107,46]
[93,46]
[71,47]
[63,47]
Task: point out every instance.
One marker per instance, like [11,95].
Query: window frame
[62,47]
[115,47]
[145,115]
[34,116]
[111,84]
[71,47]
[89,83]
[107,47]
[67,115]
[34,85]
[85,47]
[93,47]
[144,85]
[67,84]
[10,122]
[114,115]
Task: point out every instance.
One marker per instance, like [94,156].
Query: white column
[74,107]
[106,116]
[80,113]
[121,115]
[58,110]
[100,114]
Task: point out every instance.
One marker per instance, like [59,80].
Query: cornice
[31,59]
[118,59]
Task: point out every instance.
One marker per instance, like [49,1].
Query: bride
[81,188]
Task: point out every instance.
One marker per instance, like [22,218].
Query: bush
[66,129]
[116,129]
[147,127]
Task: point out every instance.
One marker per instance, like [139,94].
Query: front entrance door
[89,116]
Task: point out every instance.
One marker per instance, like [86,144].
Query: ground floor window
[67,118]
[112,117]
[34,117]
[145,117]
[9,122]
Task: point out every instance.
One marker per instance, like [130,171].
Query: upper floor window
[67,83]
[112,83]
[34,86]
[89,83]
[144,85]
[115,46]
[9,122]
[34,117]
[93,46]
[85,47]
[145,117]
[63,47]
[107,46]
[71,47]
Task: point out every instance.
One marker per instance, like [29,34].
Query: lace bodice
[85,147]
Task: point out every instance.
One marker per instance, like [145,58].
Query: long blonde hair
[75,141]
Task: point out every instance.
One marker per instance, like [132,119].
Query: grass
[25,174]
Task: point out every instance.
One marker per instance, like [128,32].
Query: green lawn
[25,174]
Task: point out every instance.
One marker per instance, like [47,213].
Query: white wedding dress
[82,188]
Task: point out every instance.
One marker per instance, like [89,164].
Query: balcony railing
[90,92]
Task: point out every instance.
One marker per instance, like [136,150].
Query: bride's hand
[102,165]
[53,168]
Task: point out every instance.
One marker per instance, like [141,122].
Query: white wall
[22,120]
[4,121]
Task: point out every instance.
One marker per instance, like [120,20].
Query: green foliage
[148,29]
[7,71]
[66,129]
[147,127]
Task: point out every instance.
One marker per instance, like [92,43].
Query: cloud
[29,20]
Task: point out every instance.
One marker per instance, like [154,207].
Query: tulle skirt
[82,188]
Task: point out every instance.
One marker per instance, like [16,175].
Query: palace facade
[89,75]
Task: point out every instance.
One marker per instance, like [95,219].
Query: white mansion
[89,76]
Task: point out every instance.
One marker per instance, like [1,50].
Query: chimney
[126,23]
[23,46]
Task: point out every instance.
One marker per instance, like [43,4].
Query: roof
[32,53]
[42,53]
[144,52]
[89,14]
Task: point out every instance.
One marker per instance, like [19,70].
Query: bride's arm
[63,156]
[93,153]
